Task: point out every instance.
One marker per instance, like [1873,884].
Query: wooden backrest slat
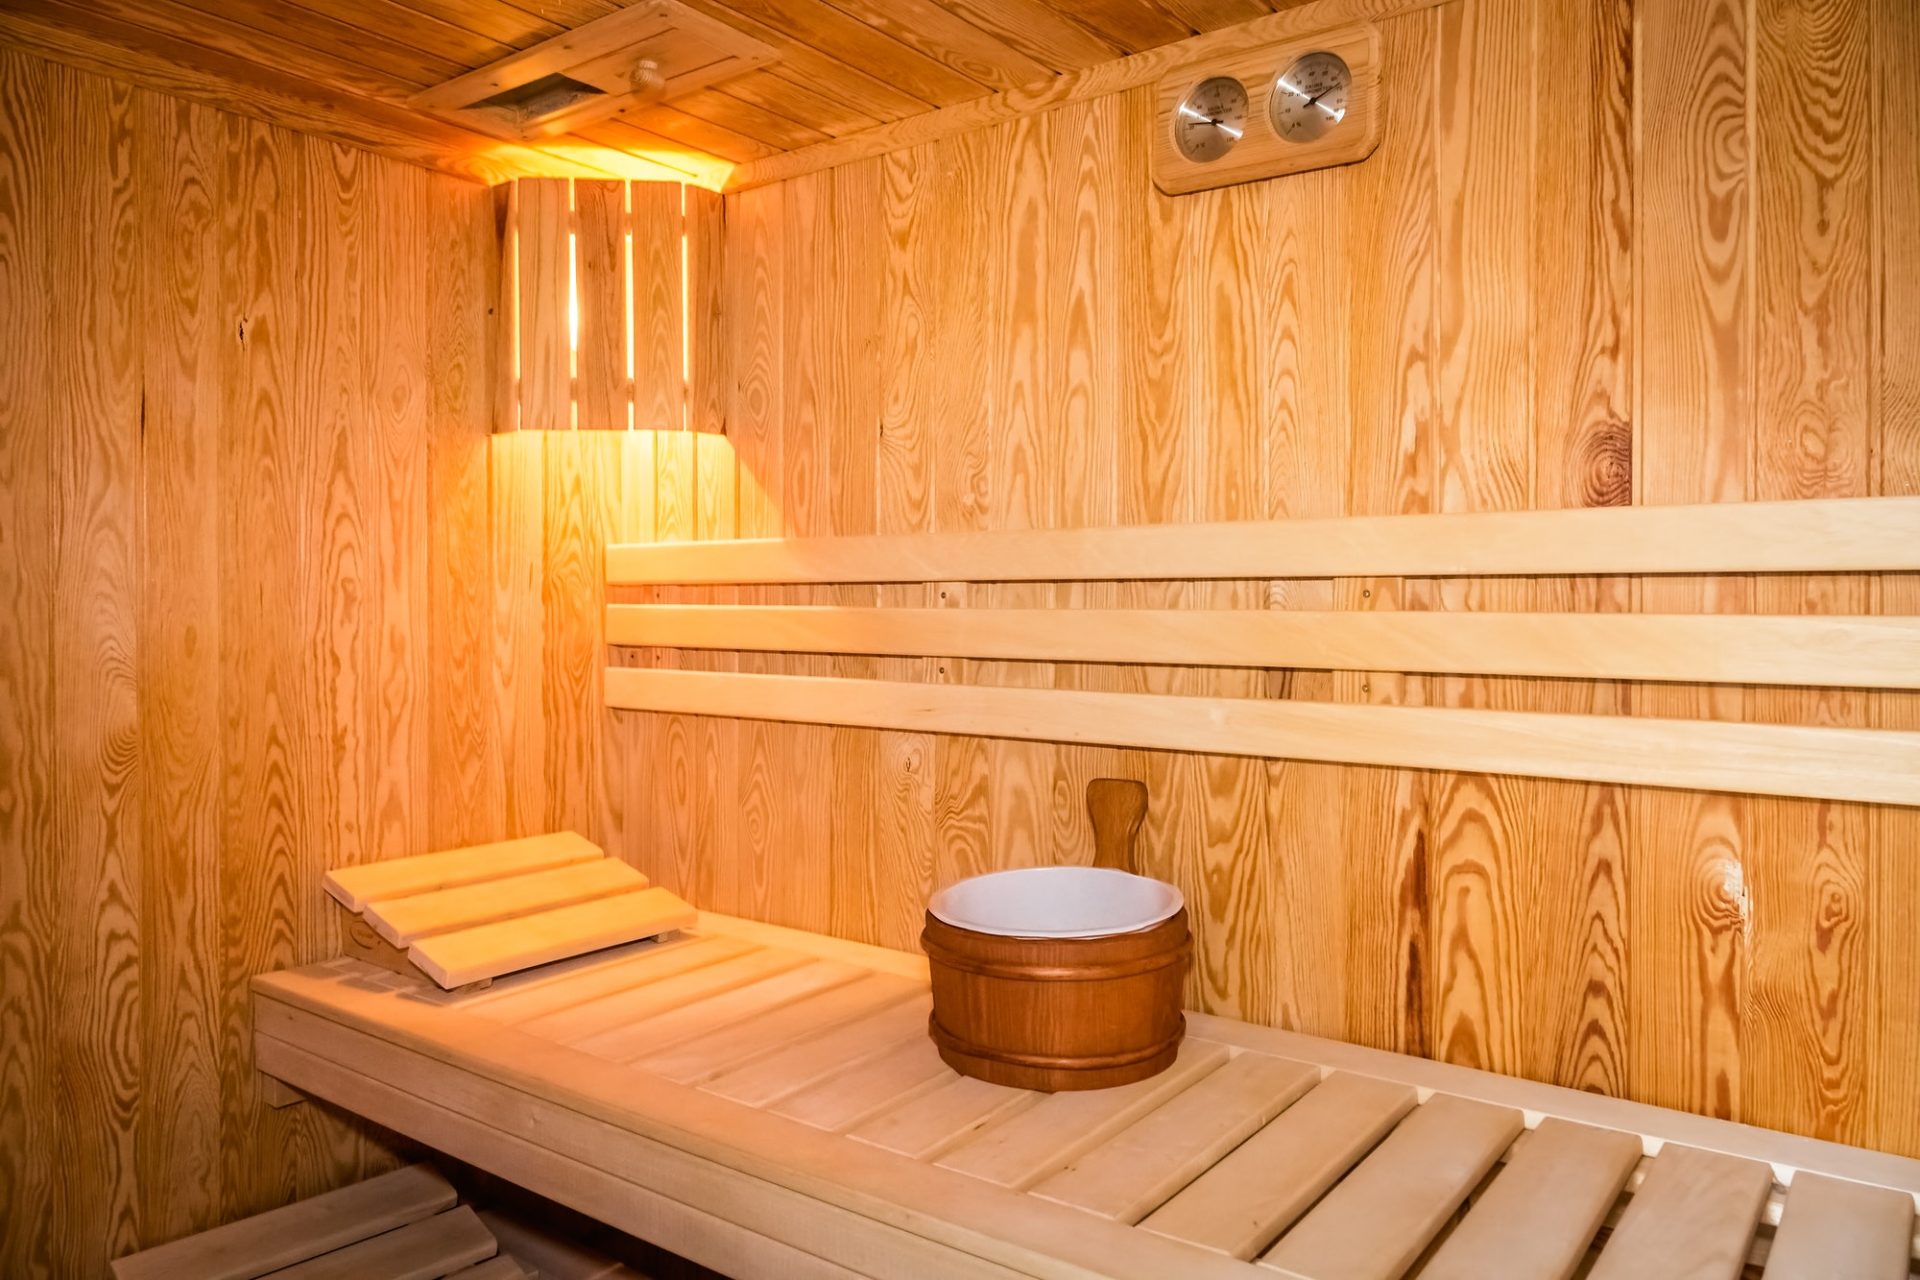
[1376,1222]
[1818,762]
[1861,652]
[282,1237]
[1693,1218]
[1807,536]
[1243,1203]
[1540,1216]
[1831,1227]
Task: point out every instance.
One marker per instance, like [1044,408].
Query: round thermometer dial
[1210,119]
[1310,97]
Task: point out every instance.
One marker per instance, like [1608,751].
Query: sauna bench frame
[516,1080]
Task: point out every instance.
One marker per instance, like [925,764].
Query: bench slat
[780,1074]
[929,1124]
[1831,1227]
[423,1250]
[279,1238]
[521,998]
[1261,1188]
[1139,1169]
[498,1267]
[695,1061]
[355,887]
[845,1099]
[1378,1220]
[1693,1218]
[1046,1136]
[403,921]
[624,1043]
[639,1001]
[1538,1219]
[489,950]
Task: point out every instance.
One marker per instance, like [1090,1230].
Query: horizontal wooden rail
[1786,760]
[1842,652]
[1811,536]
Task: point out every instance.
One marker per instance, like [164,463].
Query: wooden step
[424,1250]
[281,1238]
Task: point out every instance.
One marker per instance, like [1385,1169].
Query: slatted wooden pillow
[466,916]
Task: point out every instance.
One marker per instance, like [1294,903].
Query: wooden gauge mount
[1272,109]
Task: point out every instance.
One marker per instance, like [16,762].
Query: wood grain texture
[222,558]
[1543,291]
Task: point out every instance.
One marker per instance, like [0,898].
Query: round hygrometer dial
[1210,119]
[1310,97]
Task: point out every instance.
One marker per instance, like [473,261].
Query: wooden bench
[766,1102]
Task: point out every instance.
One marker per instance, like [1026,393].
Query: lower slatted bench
[403,1225]
[766,1102]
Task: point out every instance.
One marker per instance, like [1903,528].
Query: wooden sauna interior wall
[247,627]
[1607,253]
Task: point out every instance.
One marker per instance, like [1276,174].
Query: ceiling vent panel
[653,51]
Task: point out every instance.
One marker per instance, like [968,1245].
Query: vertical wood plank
[973,168]
[96,396]
[185,154]
[1896,409]
[911,276]
[1389,958]
[602,384]
[1581,327]
[850,311]
[466,801]
[30,907]
[705,285]
[1812,1054]
[1688,905]
[542,219]
[755,326]
[1487,861]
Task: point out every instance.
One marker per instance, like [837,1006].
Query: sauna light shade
[610,307]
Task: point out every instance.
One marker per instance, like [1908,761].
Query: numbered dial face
[1310,97]
[1210,119]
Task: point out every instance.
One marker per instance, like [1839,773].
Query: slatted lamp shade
[611,307]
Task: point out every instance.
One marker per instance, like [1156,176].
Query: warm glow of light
[634,296]
[686,324]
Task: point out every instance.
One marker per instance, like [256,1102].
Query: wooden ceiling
[346,68]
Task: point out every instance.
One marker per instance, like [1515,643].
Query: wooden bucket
[1066,1013]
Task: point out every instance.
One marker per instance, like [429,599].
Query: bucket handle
[1117,806]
